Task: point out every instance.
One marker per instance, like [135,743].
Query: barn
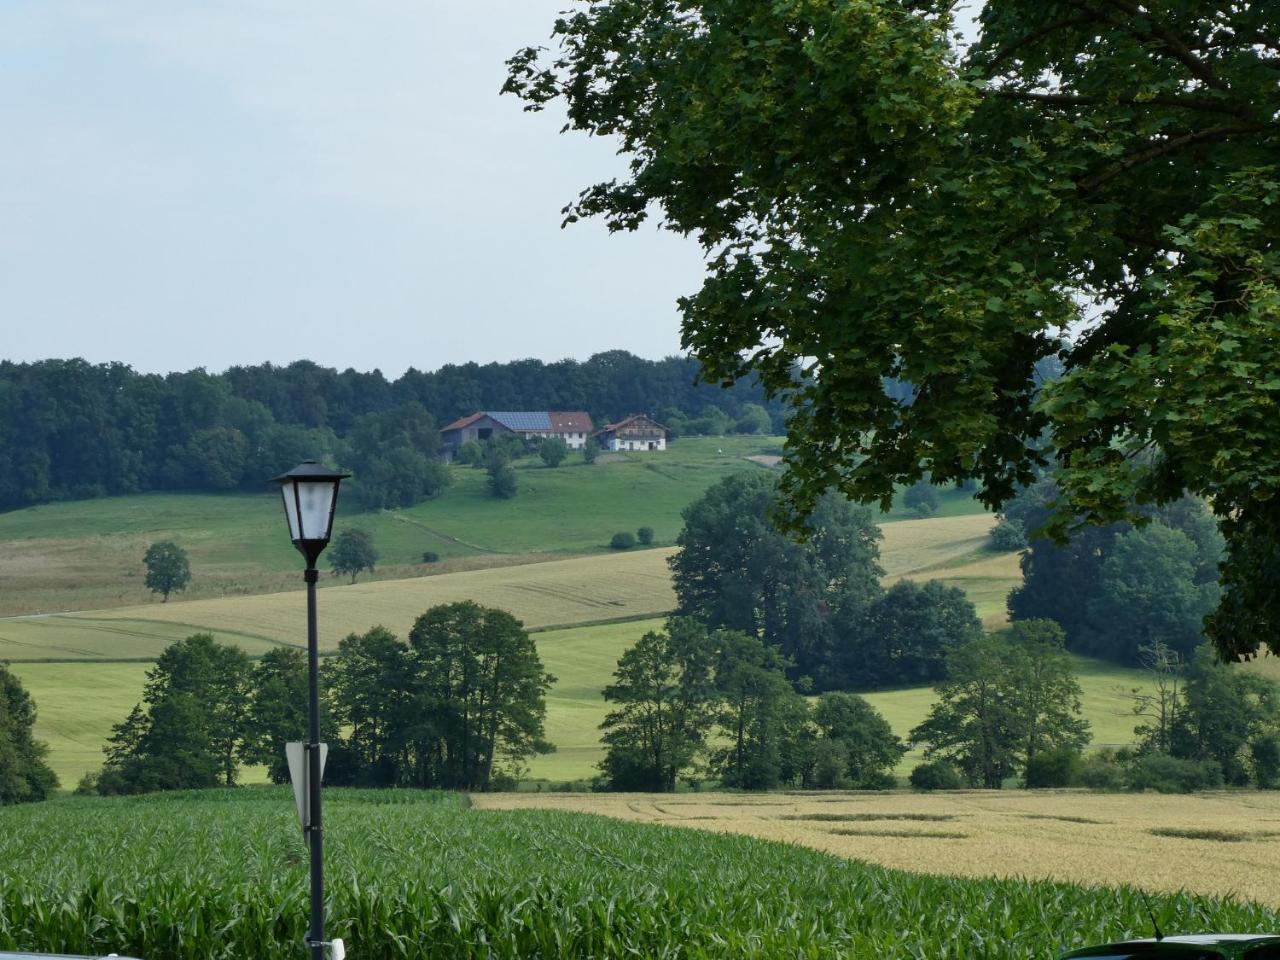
[572,426]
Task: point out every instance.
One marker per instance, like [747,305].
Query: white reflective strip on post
[297,754]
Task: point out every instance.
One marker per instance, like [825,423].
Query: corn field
[223,874]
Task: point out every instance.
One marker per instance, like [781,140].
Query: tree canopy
[1006,698]
[24,774]
[876,200]
[189,729]
[737,570]
[1116,589]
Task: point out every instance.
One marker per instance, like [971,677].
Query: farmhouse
[637,432]
[572,426]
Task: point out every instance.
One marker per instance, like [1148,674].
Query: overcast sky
[236,181]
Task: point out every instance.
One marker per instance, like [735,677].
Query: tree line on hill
[70,429]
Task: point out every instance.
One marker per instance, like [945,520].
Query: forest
[74,430]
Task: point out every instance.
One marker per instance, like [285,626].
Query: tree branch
[1161,100]
[1167,146]
[1169,40]
[1004,54]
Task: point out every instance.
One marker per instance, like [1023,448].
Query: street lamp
[310,494]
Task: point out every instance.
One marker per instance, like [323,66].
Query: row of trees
[70,429]
[819,601]
[460,705]
[691,702]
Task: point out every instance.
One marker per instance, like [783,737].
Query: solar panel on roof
[522,420]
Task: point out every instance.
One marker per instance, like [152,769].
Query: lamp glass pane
[290,508]
[317,506]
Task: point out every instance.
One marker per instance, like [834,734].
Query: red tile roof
[464,422]
[570,421]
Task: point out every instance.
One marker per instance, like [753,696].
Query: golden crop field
[1215,843]
[558,592]
[590,589]
[916,546]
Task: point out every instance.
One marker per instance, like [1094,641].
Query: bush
[430,556]
[1056,767]
[590,451]
[553,451]
[1165,774]
[645,535]
[88,785]
[623,541]
[502,481]
[470,454]
[1265,752]
[1008,535]
[921,497]
[1100,771]
[936,775]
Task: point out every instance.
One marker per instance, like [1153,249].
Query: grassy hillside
[87,555]
[417,874]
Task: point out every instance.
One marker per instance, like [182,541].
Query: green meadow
[87,555]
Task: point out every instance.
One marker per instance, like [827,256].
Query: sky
[205,184]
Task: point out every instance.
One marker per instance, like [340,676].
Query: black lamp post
[310,494]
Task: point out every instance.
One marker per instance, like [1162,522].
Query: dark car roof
[1227,944]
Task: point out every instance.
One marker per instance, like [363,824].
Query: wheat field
[1223,843]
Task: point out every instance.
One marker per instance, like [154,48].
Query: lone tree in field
[24,774]
[877,201]
[352,551]
[167,569]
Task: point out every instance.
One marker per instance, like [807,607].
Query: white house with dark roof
[572,426]
[636,432]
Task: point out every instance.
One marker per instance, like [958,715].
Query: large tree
[482,689]
[762,720]
[189,728]
[1147,594]
[876,200]
[372,685]
[665,700]
[24,774]
[735,569]
[854,748]
[1005,698]
[905,633]
[276,712]
[1137,585]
